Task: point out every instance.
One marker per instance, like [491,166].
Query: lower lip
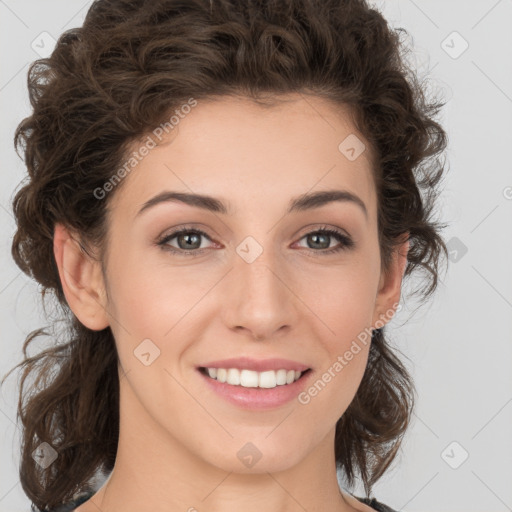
[258,398]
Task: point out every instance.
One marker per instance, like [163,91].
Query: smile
[253,379]
[255,390]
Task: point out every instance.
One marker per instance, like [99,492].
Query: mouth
[244,378]
[254,383]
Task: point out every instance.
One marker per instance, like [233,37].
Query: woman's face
[261,283]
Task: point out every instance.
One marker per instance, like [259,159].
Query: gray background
[459,344]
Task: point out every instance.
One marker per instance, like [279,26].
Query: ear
[81,279]
[390,287]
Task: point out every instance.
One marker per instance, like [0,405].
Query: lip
[258,365]
[257,398]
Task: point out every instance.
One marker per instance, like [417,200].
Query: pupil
[188,236]
[317,236]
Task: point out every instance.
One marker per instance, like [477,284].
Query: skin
[179,440]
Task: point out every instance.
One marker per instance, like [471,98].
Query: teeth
[233,377]
[268,379]
[281,377]
[246,378]
[251,379]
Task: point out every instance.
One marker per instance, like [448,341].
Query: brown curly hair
[111,81]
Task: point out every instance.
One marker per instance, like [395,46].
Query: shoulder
[376,505]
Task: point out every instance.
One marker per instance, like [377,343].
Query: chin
[258,456]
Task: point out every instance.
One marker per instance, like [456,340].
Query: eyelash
[347,242]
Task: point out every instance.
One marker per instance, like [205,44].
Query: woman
[224,198]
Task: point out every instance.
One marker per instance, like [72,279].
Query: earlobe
[81,279]
[390,287]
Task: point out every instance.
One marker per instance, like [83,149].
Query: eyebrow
[301,203]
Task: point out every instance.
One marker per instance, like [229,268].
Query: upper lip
[258,365]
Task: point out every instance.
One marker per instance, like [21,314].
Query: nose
[259,298]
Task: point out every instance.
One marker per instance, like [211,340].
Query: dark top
[68,507]
[377,505]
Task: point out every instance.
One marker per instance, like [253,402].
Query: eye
[189,241]
[322,237]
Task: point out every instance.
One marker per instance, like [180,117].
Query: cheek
[344,300]
[343,304]
[149,298]
[335,384]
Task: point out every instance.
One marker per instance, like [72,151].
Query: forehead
[235,149]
